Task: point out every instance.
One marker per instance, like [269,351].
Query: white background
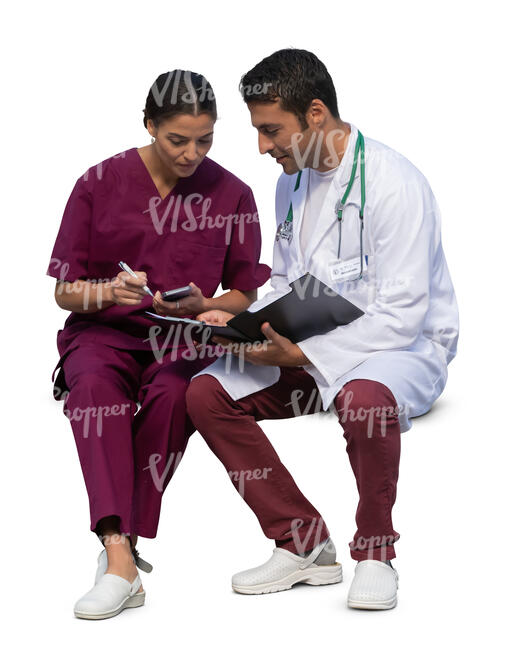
[433,80]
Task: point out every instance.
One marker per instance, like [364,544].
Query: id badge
[285,231]
[341,270]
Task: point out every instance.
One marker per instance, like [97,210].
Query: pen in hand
[127,269]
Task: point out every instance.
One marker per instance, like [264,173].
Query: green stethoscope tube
[359,147]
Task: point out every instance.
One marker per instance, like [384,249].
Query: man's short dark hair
[296,77]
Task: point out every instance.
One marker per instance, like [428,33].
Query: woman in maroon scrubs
[175,217]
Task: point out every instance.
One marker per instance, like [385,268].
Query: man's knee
[203,397]
[363,401]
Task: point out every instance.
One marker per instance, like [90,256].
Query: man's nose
[265,144]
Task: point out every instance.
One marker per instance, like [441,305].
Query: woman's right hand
[127,290]
[215,317]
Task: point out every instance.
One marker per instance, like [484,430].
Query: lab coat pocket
[198,263]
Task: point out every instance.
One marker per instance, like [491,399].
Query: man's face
[280,134]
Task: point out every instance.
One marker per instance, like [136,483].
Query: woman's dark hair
[296,77]
[179,92]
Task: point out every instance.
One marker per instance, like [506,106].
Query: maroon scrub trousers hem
[367,413]
[127,454]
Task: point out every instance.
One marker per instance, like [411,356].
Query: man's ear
[317,114]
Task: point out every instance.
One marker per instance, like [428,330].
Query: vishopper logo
[99,168]
[60,394]
[172,462]
[312,154]
[95,414]
[193,95]
[112,539]
[376,417]
[312,404]
[64,268]
[255,89]
[311,157]
[302,289]
[179,340]
[391,286]
[201,221]
[319,288]
[238,351]
[241,476]
[315,534]
[386,287]
[85,287]
[374,546]
[446,337]
[373,416]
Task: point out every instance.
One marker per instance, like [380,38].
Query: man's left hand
[276,351]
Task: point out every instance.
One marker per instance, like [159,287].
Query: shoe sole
[374,604]
[132,601]
[320,575]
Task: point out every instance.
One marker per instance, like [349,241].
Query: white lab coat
[409,332]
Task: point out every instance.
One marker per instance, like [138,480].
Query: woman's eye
[206,141]
[177,143]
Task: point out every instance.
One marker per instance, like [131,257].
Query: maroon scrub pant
[127,455]
[368,414]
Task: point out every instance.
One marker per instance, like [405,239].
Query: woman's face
[183,141]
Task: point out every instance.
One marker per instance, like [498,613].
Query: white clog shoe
[102,563]
[109,597]
[374,586]
[283,570]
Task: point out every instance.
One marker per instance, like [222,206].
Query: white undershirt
[318,184]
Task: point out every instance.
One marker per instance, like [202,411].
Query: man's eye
[271,131]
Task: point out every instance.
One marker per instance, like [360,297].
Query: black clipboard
[310,308]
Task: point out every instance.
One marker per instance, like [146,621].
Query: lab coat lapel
[298,200]
[327,217]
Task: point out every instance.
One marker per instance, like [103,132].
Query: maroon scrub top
[206,231]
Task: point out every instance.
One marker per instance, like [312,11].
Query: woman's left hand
[193,304]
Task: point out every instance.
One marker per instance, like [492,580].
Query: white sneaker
[109,597]
[283,570]
[374,586]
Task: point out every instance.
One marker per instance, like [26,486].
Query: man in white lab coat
[381,249]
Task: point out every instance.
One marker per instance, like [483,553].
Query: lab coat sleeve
[403,236]
[279,281]
[242,269]
[69,260]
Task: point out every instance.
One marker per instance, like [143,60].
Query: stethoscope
[285,229]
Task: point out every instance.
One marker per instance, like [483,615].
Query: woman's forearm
[233,301]
[84,297]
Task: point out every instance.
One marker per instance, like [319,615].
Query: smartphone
[176,294]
